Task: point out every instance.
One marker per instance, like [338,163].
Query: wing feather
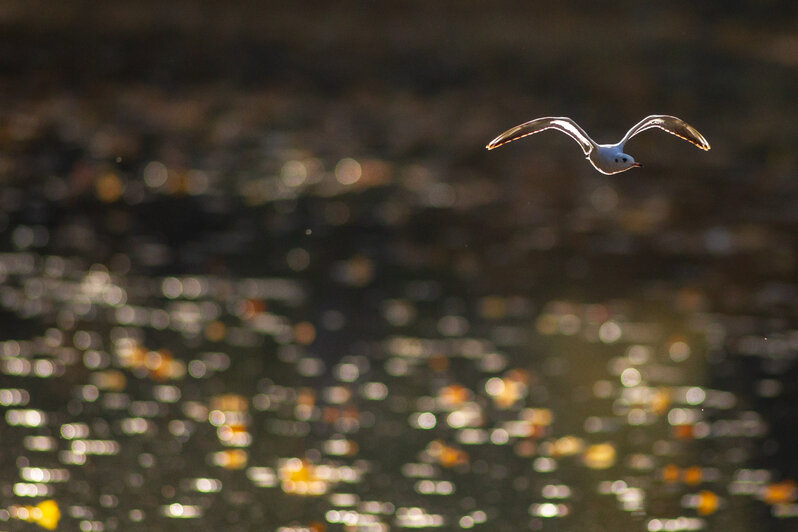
[670,124]
[560,123]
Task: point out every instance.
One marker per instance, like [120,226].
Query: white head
[622,161]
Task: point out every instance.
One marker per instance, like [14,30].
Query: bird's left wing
[671,124]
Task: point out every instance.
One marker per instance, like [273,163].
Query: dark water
[259,273]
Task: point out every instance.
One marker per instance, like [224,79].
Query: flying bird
[606,158]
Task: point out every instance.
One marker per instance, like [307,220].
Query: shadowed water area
[258,272]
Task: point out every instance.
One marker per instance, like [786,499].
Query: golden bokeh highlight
[708,502]
[599,456]
[45,514]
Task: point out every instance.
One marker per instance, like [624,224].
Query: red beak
[637,165]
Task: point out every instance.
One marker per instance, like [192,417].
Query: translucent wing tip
[694,137]
[697,139]
[704,145]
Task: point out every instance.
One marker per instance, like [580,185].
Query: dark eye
[616,159]
[625,159]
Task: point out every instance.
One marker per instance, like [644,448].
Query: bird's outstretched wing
[560,123]
[671,124]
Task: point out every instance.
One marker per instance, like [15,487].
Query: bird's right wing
[560,123]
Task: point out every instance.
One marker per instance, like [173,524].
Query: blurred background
[259,272]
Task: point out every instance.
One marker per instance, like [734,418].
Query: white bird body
[606,158]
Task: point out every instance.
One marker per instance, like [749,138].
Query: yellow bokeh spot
[46,514]
[50,514]
[599,456]
[232,459]
[300,473]
[567,446]
[300,477]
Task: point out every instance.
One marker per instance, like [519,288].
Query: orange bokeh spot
[661,401]
[304,332]
[451,457]
[453,395]
[230,402]
[693,475]
[159,364]
[237,429]
[683,432]
[518,375]
[232,459]
[253,307]
[514,389]
[445,455]
[780,492]
[708,502]
[670,473]
[306,397]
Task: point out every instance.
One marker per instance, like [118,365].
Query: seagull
[606,158]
